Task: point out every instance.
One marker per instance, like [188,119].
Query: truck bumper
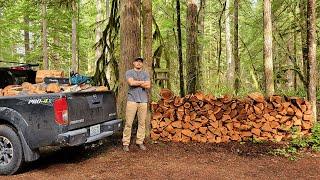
[83,135]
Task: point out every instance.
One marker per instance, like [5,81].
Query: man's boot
[126,148]
[142,147]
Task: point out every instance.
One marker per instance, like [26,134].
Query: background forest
[224,43]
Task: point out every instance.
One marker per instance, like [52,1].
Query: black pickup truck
[60,119]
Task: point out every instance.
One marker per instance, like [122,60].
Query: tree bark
[181,76]
[98,34]
[230,61]
[109,69]
[107,9]
[236,47]
[130,46]
[201,23]
[295,79]
[311,36]
[44,35]
[147,48]
[192,54]
[26,35]
[303,31]
[290,73]
[219,42]
[268,61]
[74,62]
[147,34]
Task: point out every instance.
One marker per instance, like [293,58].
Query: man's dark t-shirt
[137,93]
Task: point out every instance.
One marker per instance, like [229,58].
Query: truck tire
[11,154]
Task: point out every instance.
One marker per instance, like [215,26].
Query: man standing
[137,103]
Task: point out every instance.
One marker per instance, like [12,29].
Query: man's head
[138,63]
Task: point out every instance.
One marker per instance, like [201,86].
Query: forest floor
[171,161]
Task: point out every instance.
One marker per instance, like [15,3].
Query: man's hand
[146,84]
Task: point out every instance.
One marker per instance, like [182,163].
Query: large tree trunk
[303,31]
[147,46]
[236,47]
[44,35]
[182,92]
[147,34]
[192,54]
[311,36]
[108,9]
[219,43]
[109,70]
[98,34]
[201,21]
[74,62]
[130,46]
[295,50]
[230,62]
[268,62]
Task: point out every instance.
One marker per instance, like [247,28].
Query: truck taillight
[61,111]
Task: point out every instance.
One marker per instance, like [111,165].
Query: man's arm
[133,82]
[146,81]
[146,84]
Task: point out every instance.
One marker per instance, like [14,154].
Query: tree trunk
[236,47]
[230,62]
[182,92]
[147,34]
[201,43]
[303,31]
[44,35]
[98,34]
[295,79]
[192,54]
[109,70]
[56,55]
[290,73]
[268,62]
[26,35]
[311,36]
[74,63]
[130,46]
[107,9]
[219,43]
[147,47]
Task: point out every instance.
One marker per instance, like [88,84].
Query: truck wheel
[11,153]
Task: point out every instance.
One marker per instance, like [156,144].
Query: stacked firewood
[205,118]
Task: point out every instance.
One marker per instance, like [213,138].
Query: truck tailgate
[89,108]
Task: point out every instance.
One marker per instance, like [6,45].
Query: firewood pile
[205,118]
[27,88]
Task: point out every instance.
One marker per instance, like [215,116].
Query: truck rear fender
[14,119]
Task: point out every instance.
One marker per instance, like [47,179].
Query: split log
[53,88]
[41,74]
[166,93]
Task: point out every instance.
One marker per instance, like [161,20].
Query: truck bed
[35,115]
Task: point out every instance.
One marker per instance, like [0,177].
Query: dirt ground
[170,161]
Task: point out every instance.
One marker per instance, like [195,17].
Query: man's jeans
[131,110]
